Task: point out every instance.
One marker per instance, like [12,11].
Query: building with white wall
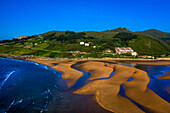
[86,44]
[81,43]
[121,50]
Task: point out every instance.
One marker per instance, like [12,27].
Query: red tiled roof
[124,49]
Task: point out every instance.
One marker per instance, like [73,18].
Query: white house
[81,43]
[86,44]
[134,53]
[36,44]
[108,50]
[94,46]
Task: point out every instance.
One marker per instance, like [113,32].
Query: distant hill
[107,34]
[120,29]
[165,37]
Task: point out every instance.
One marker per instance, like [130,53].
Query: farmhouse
[108,50]
[86,44]
[36,44]
[81,43]
[120,50]
[94,46]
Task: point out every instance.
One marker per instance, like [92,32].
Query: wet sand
[107,92]
[165,76]
[138,98]
[92,67]
[75,103]
[167,89]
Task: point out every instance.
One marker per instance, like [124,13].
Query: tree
[125,37]
[69,32]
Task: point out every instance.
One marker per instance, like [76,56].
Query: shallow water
[156,85]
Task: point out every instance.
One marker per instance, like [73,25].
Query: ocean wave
[43,66]
[46,92]
[6,78]
[18,102]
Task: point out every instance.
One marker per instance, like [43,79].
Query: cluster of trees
[125,38]
[69,37]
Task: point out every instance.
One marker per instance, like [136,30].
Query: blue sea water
[158,85]
[26,86]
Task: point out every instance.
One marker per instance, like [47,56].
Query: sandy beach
[138,98]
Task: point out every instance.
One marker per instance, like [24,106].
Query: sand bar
[97,69]
[106,91]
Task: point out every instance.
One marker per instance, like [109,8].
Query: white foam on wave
[36,64]
[18,102]
[41,110]
[12,104]
[43,66]
[46,92]
[7,77]
[46,67]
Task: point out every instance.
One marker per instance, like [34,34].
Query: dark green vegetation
[67,44]
[165,37]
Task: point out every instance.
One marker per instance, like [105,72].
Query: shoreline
[106,58]
[159,61]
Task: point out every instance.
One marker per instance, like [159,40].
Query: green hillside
[66,44]
[165,37]
[147,45]
[120,29]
